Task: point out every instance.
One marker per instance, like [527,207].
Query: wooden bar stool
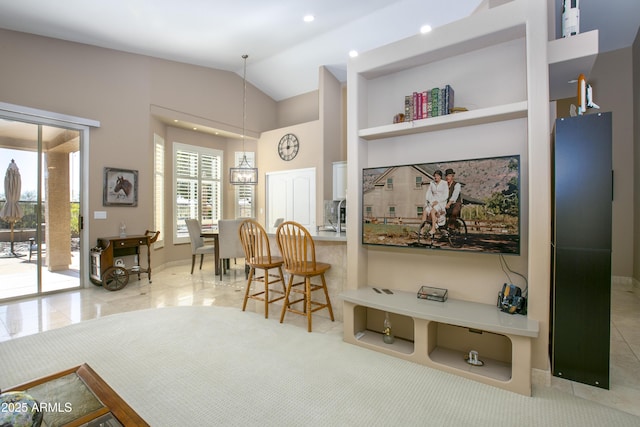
[257,251]
[299,253]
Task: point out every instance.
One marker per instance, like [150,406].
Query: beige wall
[611,77]
[134,96]
[298,109]
[183,251]
[331,119]
[119,90]
[310,155]
[636,157]
[321,140]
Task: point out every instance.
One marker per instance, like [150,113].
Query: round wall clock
[288,147]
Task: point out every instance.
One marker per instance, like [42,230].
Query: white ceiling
[284,52]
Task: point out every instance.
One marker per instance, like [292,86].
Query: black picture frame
[120,187]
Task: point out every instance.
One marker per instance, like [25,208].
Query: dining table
[212,234]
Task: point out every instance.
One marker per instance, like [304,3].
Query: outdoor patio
[19,275]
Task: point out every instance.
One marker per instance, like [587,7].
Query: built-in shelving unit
[496,61]
[568,58]
[374,340]
[491,368]
[498,113]
[443,333]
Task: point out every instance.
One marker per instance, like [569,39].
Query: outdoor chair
[33,247]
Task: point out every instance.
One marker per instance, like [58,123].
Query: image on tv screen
[464,205]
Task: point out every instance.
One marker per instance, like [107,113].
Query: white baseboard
[158,268]
[178,262]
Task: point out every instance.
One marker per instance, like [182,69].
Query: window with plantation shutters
[158,189]
[197,184]
[245,194]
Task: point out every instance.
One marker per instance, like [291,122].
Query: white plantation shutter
[210,189]
[245,194]
[197,172]
[158,188]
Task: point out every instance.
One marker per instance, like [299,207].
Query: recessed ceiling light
[309,18]
[353,53]
[425,29]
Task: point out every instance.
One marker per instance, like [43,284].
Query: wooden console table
[79,397]
[115,277]
[441,334]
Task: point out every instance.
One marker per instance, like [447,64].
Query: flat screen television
[486,217]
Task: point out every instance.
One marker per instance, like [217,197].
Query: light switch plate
[99,215]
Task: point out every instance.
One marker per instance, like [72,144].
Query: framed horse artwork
[120,187]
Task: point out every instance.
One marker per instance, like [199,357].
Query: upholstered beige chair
[197,243]
[229,242]
[299,253]
[257,250]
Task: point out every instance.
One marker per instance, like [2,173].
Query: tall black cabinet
[581,288]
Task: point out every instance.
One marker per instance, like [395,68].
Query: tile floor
[174,286]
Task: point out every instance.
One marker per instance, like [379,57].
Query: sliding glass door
[40,221]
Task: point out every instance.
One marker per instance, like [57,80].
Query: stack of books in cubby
[429,103]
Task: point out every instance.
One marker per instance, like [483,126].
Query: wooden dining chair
[299,253]
[257,250]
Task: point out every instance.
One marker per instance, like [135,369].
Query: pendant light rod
[244,174]
[244,100]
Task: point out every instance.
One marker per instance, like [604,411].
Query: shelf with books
[428,103]
[496,59]
[497,113]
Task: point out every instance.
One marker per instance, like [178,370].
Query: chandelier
[243,174]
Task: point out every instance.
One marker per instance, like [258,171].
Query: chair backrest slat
[296,246]
[255,241]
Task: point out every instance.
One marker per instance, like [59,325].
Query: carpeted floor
[187,366]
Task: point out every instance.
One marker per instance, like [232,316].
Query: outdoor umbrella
[11,211]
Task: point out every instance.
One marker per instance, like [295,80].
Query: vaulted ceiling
[284,51]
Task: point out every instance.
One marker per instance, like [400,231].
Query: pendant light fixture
[244,174]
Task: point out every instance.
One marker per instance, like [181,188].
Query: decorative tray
[433,294]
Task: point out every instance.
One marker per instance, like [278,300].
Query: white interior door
[291,195]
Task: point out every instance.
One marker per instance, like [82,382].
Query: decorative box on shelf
[433,294]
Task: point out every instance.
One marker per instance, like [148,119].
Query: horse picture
[120,187]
